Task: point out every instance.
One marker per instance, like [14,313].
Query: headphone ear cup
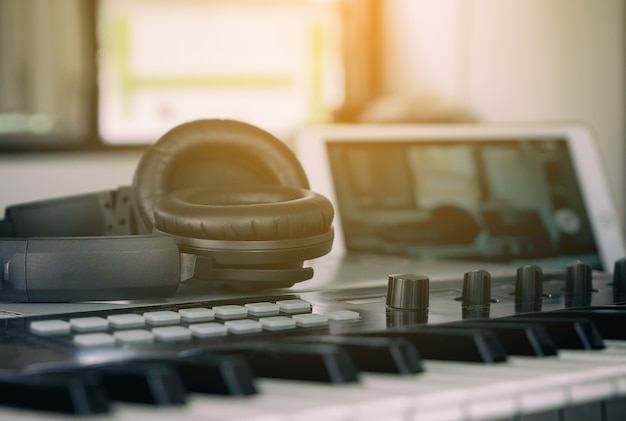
[212,152]
[244,213]
[237,199]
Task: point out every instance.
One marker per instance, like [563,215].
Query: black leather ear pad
[237,199]
[244,213]
[212,153]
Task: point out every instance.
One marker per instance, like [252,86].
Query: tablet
[519,193]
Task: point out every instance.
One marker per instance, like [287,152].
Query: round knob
[476,298]
[619,281]
[578,284]
[408,292]
[477,288]
[528,289]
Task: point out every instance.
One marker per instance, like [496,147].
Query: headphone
[213,201]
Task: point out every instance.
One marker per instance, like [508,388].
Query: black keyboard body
[335,336]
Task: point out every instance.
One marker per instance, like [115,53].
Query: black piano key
[547,415]
[614,409]
[78,393]
[439,343]
[609,321]
[154,383]
[210,373]
[518,338]
[583,412]
[376,354]
[293,361]
[565,332]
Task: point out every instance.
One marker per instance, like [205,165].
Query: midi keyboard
[490,343]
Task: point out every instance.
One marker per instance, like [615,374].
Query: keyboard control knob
[619,281]
[528,289]
[476,288]
[578,284]
[407,292]
[476,297]
[407,300]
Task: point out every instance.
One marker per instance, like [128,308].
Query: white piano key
[433,392]
[574,380]
[198,407]
[270,404]
[350,402]
[488,391]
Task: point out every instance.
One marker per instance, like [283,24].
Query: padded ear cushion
[212,152]
[244,213]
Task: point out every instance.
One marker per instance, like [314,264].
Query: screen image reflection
[488,200]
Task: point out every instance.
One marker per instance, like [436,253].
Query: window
[117,72]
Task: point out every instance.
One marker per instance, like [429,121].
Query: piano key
[266,406]
[565,332]
[537,386]
[438,396]
[312,362]
[519,338]
[375,354]
[313,401]
[462,391]
[583,382]
[204,372]
[470,345]
[609,321]
[142,382]
[601,389]
[77,392]
[447,390]
[510,391]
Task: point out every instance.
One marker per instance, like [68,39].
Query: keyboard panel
[337,352]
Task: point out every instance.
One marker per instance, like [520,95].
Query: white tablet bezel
[310,147]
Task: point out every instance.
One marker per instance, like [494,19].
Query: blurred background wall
[518,60]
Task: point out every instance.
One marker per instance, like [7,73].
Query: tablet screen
[492,200]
